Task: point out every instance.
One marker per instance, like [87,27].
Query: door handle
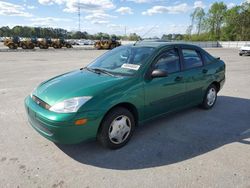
[204,71]
[178,78]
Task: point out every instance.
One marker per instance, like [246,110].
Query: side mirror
[158,73]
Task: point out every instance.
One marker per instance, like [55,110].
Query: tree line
[39,32]
[220,23]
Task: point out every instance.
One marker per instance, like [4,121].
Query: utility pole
[79,16]
[125,31]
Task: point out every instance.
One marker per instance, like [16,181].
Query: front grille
[40,102]
[39,125]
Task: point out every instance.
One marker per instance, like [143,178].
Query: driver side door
[165,94]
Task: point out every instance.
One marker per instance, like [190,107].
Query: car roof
[162,44]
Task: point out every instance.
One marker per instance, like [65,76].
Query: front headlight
[70,105]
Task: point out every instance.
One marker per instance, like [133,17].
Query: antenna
[145,34]
[79,16]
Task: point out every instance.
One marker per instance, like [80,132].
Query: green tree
[245,21]
[215,19]
[198,17]
[134,37]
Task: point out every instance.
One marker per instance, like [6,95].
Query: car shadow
[173,138]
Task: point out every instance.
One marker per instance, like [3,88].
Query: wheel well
[217,84]
[129,107]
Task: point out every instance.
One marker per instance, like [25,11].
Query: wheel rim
[119,129]
[211,96]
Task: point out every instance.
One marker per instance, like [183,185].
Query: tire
[31,46]
[116,128]
[12,46]
[24,46]
[98,47]
[240,54]
[68,46]
[210,97]
[112,46]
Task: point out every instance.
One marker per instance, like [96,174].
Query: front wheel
[210,97]
[117,128]
[31,46]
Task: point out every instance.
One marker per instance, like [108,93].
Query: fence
[232,44]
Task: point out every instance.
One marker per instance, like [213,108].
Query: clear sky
[111,16]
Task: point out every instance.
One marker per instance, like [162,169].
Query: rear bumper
[60,128]
[222,82]
[244,52]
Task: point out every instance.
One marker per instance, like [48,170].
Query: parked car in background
[124,88]
[245,50]
[89,42]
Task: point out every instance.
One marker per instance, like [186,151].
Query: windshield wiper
[99,71]
[91,70]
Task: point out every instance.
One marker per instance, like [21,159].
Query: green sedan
[123,88]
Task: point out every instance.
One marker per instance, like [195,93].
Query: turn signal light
[81,121]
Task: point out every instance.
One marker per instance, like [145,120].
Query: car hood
[75,84]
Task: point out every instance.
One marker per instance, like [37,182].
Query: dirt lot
[193,148]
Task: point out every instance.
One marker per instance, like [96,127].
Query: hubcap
[119,129]
[211,96]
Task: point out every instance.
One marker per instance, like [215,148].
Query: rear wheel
[210,97]
[68,46]
[112,46]
[12,46]
[117,128]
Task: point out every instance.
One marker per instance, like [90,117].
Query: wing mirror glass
[158,73]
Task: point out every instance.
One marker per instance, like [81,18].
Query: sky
[109,16]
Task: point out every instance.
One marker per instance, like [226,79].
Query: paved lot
[193,148]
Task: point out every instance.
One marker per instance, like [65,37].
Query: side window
[169,61]
[191,59]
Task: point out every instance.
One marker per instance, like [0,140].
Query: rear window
[208,58]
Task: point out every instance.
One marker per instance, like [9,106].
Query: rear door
[165,94]
[194,75]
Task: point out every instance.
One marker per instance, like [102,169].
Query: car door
[165,94]
[194,75]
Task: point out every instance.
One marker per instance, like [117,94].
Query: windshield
[124,60]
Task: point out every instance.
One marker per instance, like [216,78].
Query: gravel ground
[192,148]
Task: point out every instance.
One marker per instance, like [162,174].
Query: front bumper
[60,128]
